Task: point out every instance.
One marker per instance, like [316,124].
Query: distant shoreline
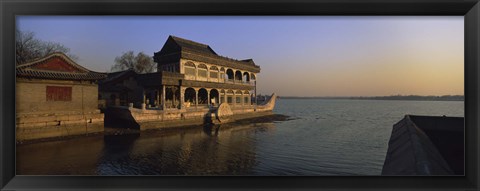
[397,97]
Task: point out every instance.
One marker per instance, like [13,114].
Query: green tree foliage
[140,63]
[28,48]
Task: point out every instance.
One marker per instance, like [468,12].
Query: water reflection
[211,128]
[325,137]
[70,157]
[205,150]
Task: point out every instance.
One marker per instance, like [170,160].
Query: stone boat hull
[144,119]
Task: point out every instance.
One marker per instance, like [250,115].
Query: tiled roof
[149,79]
[118,76]
[188,45]
[67,69]
[202,52]
[118,88]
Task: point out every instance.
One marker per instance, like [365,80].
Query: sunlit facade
[189,75]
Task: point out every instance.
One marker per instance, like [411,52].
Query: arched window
[230,96]
[214,97]
[190,69]
[213,72]
[222,96]
[238,97]
[246,97]
[222,73]
[238,75]
[202,96]
[253,77]
[202,71]
[190,64]
[230,75]
[190,96]
[246,77]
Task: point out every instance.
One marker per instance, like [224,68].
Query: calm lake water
[325,137]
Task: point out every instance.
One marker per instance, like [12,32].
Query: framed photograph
[241,95]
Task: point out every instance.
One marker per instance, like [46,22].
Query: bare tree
[28,48]
[141,63]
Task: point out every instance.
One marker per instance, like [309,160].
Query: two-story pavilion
[191,75]
[208,78]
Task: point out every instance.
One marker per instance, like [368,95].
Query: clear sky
[298,55]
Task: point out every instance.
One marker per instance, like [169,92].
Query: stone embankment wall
[37,118]
[41,126]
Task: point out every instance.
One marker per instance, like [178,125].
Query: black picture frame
[470,9]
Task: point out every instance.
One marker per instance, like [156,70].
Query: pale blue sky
[298,55]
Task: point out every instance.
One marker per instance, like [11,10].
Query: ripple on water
[325,137]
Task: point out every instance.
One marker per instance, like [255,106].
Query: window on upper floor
[213,74]
[202,73]
[189,71]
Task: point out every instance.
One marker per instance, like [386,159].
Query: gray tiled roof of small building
[113,76]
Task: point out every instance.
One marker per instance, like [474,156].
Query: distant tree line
[392,97]
[416,97]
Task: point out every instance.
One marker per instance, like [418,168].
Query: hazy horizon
[368,96]
[309,56]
